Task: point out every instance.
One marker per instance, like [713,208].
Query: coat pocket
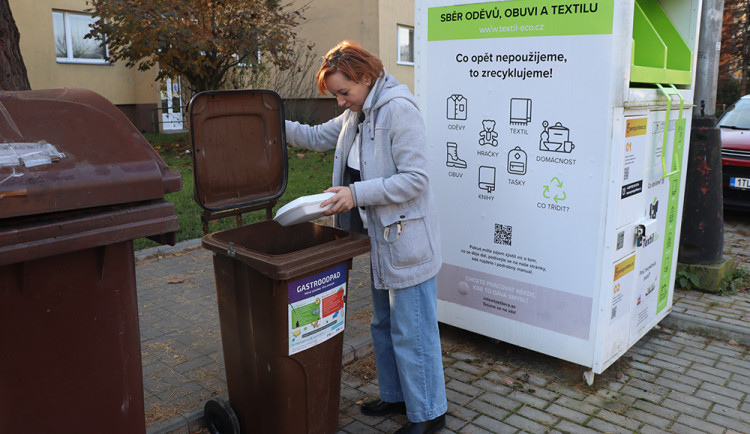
[409,243]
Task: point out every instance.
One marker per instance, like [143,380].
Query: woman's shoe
[429,426]
[382,408]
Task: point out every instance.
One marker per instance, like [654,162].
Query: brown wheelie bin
[281,290]
[78,183]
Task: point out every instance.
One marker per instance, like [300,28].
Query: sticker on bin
[302,209]
[28,154]
[316,308]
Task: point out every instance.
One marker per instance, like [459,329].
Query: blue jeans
[406,340]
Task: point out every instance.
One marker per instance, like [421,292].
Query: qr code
[503,234]
[614,313]
[626,175]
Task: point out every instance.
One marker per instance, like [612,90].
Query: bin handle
[668,92]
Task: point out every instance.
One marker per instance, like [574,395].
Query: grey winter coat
[395,188]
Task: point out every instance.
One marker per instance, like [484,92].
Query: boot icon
[452,159]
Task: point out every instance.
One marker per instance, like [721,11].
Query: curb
[704,327]
[168,250]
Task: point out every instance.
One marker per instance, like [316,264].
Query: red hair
[349,58]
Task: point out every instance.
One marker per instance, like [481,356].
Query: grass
[309,173]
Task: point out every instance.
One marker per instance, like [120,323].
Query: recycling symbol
[555,192]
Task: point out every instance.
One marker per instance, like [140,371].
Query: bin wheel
[220,418]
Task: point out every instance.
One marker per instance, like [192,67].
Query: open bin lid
[239,148]
[71,149]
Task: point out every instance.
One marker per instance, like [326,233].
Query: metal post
[702,237]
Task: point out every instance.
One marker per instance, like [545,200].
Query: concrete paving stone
[469,368]
[668,366]
[740,414]
[525,424]
[503,402]
[542,393]
[728,422]
[717,398]
[678,377]
[474,429]
[489,408]
[705,357]
[738,378]
[619,418]
[642,349]
[493,425]
[742,364]
[656,409]
[466,357]
[456,374]
[570,427]
[537,415]
[642,371]
[357,427]
[657,345]
[567,413]
[453,424]
[640,393]
[707,377]
[684,429]
[724,390]
[193,364]
[720,347]
[690,340]
[673,359]
[703,425]
[690,355]
[370,390]
[603,426]
[492,386]
[703,315]
[457,397]
[649,387]
[528,399]
[566,391]
[677,385]
[641,416]
[499,374]
[575,404]
[463,388]
[739,387]
[459,411]
[687,403]
[648,429]
[643,367]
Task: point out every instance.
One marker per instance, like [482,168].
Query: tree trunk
[12,69]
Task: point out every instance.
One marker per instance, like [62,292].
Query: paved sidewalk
[692,374]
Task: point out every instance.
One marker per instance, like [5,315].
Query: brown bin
[281,290]
[78,183]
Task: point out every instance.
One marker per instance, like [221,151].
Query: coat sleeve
[317,138]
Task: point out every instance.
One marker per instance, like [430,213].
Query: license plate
[743,183]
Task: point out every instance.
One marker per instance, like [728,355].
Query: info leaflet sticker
[316,308]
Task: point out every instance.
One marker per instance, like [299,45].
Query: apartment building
[57,55]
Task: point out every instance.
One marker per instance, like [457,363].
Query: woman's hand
[342,201]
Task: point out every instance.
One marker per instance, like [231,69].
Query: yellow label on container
[624,267]
[636,127]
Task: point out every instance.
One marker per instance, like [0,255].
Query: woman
[382,188]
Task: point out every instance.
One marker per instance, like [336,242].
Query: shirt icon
[456,107]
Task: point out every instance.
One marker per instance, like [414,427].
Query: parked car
[735,154]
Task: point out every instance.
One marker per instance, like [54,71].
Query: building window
[70,45]
[405,45]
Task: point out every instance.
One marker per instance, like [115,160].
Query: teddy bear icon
[488,136]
